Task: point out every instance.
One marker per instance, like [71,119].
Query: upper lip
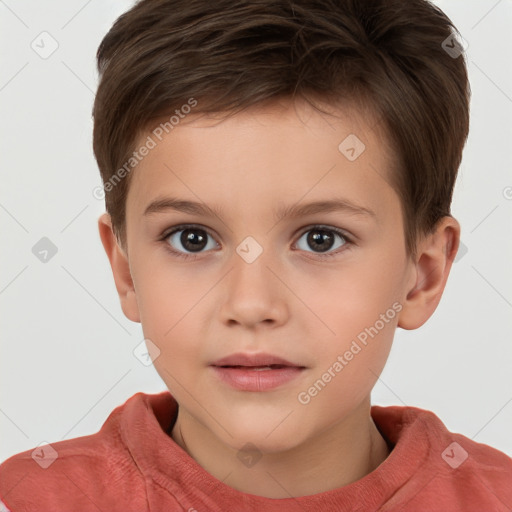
[258,359]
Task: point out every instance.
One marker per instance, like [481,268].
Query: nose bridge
[251,261]
[256,244]
[254,293]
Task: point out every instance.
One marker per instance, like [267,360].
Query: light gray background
[66,348]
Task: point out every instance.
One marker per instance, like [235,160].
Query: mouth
[256,372]
[261,361]
[260,368]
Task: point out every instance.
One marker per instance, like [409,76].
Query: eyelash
[163,238]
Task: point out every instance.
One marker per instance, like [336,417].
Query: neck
[345,452]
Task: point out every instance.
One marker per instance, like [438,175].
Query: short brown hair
[232,54]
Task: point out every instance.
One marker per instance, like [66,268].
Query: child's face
[290,301]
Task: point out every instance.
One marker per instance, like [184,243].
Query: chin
[266,438]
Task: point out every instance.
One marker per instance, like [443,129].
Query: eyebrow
[164,204]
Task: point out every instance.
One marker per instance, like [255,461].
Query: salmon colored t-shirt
[132,464]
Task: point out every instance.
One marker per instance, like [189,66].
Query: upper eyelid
[181,227]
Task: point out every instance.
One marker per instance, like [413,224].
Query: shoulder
[74,474]
[454,468]
[71,474]
[474,475]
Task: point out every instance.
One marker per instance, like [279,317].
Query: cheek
[356,312]
[168,295]
[347,368]
[166,323]
[350,297]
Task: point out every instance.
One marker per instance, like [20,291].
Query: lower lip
[254,380]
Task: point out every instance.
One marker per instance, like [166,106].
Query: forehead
[279,153]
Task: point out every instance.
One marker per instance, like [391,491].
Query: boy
[235,140]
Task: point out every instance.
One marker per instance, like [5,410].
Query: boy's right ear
[120,269]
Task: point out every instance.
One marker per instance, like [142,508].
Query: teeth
[261,368]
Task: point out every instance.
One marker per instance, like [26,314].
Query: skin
[290,301]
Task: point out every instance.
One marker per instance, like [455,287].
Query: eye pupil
[321,239]
[193,239]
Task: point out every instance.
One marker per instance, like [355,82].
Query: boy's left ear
[430,271]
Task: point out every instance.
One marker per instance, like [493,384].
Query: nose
[253,293]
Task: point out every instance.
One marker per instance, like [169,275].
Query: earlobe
[120,269]
[436,253]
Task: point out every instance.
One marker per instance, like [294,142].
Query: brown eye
[322,239]
[189,239]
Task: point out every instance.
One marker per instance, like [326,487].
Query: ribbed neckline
[146,419]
